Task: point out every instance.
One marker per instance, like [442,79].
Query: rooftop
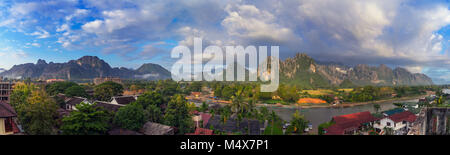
[151,128]
[124,100]
[403,116]
[7,110]
[349,122]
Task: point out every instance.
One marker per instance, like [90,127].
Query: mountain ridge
[86,67]
[313,74]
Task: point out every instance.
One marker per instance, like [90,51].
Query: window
[388,123]
[404,122]
[8,125]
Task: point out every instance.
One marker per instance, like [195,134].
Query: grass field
[319,92]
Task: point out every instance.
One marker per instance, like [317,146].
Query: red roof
[205,118]
[202,131]
[349,122]
[7,111]
[403,116]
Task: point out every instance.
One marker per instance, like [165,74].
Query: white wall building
[400,123]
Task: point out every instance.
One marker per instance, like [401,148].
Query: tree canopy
[86,120]
[106,90]
[131,117]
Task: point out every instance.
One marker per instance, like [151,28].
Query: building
[393,111]
[108,106]
[400,123]
[72,102]
[201,119]
[8,115]
[98,81]
[6,88]
[350,124]
[55,80]
[433,121]
[123,100]
[151,128]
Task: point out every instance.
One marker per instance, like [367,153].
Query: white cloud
[247,21]
[41,33]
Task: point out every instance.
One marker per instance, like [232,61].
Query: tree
[35,109]
[204,107]
[288,94]
[177,114]
[38,116]
[106,90]
[130,117]
[321,128]
[75,90]
[150,98]
[273,117]
[153,114]
[298,122]
[86,120]
[59,87]
[376,107]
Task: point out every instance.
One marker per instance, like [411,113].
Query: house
[151,128]
[201,119]
[400,123]
[8,124]
[393,111]
[6,88]
[196,94]
[108,106]
[72,102]
[123,100]
[202,131]
[350,124]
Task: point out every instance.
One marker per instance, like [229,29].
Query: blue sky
[399,33]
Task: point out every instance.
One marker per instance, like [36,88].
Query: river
[317,116]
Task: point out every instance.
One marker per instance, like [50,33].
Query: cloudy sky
[414,34]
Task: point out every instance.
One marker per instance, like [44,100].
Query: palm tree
[273,116]
[377,107]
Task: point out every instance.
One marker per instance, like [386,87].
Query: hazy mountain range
[299,70]
[87,67]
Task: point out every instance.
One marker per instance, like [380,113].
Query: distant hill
[302,70]
[87,67]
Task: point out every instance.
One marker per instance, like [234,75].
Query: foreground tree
[377,107]
[36,110]
[298,122]
[59,87]
[86,120]
[75,91]
[177,114]
[153,114]
[105,91]
[150,98]
[131,117]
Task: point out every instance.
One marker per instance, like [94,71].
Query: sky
[414,34]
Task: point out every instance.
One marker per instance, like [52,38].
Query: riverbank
[343,105]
